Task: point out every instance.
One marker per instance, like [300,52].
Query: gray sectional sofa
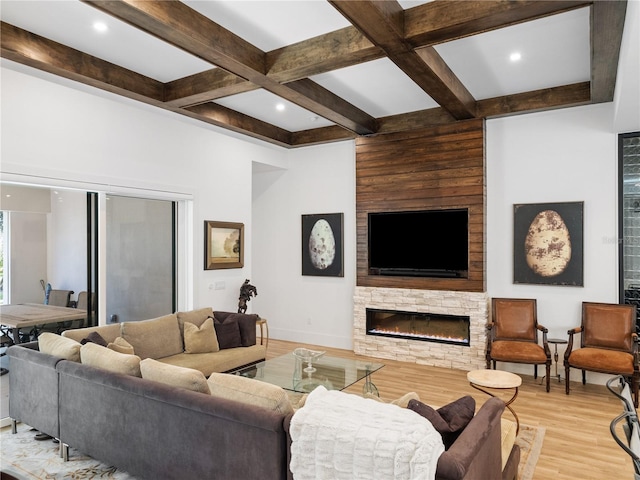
[155,430]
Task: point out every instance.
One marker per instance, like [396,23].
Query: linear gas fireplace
[428,327]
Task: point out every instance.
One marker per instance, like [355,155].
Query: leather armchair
[608,344]
[512,335]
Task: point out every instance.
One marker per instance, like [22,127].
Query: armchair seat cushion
[602,360]
[515,351]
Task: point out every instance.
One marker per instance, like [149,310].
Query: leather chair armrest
[545,343]
[571,333]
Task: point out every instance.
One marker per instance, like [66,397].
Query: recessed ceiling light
[515,56]
[280,107]
[100,27]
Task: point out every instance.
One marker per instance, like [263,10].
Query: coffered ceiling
[296,73]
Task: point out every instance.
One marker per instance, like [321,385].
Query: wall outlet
[221,285]
[308,320]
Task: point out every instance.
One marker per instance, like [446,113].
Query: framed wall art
[322,242]
[223,245]
[548,243]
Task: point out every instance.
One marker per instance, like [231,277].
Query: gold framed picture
[223,245]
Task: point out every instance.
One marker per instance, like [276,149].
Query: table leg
[369,387]
[507,404]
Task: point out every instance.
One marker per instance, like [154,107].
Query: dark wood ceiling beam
[183,27]
[342,48]
[224,117]
[383,24]
[317,136]
[607,25]
[29,49]
[35,51]
[434,22]
[204,87]
[544,99]
[445,20]
[177,24]
[338,49]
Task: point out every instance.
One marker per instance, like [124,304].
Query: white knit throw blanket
[337,435]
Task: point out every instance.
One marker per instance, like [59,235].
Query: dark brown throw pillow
[246,322]
[449,420]
[228,333]
[94,337]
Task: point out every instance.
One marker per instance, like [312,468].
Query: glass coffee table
[333,373]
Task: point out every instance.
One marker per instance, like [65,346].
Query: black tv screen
[426,243]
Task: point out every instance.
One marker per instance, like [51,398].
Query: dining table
[20,316]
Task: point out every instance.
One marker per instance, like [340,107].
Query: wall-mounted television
[425,243]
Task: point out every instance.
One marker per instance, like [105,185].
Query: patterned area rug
[530,442]
[28,459]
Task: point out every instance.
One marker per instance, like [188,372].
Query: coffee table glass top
[333,373]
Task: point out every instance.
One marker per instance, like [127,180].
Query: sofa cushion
[155,338]
[221,361]
[102,357]
[122,346]
[197,317]
[250,391]
[449,420]
[228,334]
[94,337]
[108,332]
[246,323]
[175,376]
[58,346]
[508,430]
[200,340]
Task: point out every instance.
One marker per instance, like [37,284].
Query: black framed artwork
[322,243]
[548,244]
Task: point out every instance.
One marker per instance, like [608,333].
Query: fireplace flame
[422,336]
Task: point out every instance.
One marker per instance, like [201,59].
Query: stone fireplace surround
[472,304]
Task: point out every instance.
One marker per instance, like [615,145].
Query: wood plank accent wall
[439,167]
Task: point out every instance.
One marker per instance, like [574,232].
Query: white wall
[300,308]
[87,137]
[67,241]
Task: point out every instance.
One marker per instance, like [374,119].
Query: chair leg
[584,377]
[566,379]
[634,388]
[548,365]
[535,372]
[494,364]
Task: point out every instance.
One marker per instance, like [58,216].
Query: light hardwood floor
[577,443]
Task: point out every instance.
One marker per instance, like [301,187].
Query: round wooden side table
[499,380]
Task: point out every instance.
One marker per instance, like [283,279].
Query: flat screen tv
[426,243]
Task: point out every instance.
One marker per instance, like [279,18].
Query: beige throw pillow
[122,346]
[197,317]
[156,338]
[249,391]
[58,346]
[101,357]
[200,340]
[173,375]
